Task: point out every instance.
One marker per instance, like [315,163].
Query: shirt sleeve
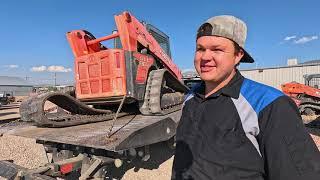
[288,150]
[183,155]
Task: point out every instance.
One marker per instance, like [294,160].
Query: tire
[309,112]
[8,170]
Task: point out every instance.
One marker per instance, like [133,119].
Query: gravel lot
[25,152]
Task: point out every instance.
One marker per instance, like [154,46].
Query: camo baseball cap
[229,27]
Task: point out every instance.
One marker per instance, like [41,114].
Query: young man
[234,128]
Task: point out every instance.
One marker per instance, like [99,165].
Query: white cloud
[305,39]
[50,69]
[10,66]
[288,38]
[58,69]
[13,66]
[38,69]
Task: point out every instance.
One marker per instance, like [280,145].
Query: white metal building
[15,85]
[275,76]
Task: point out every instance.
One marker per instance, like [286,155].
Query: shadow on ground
[159,153]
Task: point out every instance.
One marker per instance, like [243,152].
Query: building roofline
[17,85]
[278,67]
[14,81]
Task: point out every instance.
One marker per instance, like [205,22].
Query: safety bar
[103,39]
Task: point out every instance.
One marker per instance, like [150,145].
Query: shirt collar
[232,89]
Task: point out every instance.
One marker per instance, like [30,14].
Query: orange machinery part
[294,89]
[131,32]
[101,74]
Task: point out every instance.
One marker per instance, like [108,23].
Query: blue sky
[33,31]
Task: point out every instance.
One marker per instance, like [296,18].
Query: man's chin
[208,78]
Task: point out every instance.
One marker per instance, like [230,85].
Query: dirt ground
[316,139]
[25,152]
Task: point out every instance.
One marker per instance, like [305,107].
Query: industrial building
[15,85]
[275,76]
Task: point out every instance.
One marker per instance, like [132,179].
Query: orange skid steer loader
[136,76]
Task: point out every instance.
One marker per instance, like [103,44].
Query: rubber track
[309,104]
[33,110]
[156,103]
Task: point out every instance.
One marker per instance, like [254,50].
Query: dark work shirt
[246,130]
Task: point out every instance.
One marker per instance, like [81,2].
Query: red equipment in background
[305,96]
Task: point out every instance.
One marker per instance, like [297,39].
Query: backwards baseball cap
[229,27]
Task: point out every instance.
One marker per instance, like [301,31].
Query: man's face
[215,58]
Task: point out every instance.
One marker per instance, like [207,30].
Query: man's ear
[239,56]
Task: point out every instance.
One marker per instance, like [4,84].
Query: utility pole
[27,78]
[55,78]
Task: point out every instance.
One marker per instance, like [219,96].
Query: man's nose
[206,55]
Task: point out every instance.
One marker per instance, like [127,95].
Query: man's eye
[218,50]
[200,49]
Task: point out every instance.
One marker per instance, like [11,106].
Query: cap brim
[246,57]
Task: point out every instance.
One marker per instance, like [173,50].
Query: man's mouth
[207,68]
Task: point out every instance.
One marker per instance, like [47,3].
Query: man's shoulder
[250,86]
[259,95]
[192,92]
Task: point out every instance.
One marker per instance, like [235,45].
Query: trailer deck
[128,132]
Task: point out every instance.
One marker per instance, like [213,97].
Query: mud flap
[156,132]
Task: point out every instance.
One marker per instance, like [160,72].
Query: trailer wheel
[309,112]
[172,143]
[8,170]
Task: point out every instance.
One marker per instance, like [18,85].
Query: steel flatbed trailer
[91,151]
